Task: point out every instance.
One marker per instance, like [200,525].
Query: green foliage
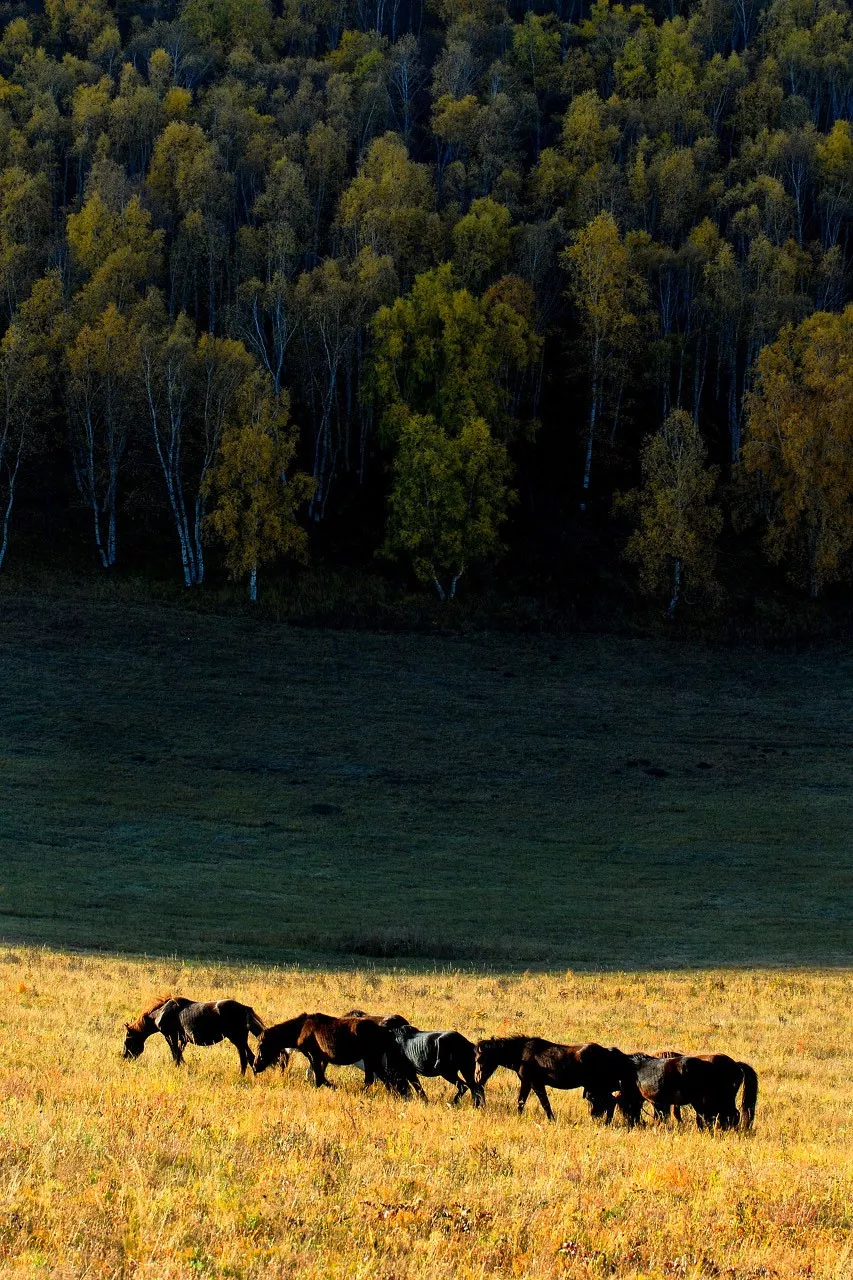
[27,365]
[255,499]
[677,520]
[229,22]
[390,208]
[799,447]
[468,212]
[481,242]
[443,351]
[449,498]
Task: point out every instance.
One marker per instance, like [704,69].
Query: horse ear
[127,1026]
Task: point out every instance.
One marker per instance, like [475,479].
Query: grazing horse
[341,1042]
[707,1082]
[439,1053]
[598,1071]
[181,1021]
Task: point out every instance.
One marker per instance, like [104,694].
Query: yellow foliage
[800,445]
[256,501]
[677,520]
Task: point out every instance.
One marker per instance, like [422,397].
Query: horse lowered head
[134,1042]
[275,1042]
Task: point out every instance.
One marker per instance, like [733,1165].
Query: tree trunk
[676,589]
[593,410]
[253,584]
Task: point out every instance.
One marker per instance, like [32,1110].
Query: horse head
[274,1042]
[134,1042]
[395,1021]
[487,1059]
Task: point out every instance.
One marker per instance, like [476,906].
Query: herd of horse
[397,1054]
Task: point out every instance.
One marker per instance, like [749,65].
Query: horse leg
[542,1094]
[247,1059]
[176,1048]
[413,1080]
[318,1066]
[367,1067]
[469,1083]
[676,1111]
[453,1077]
[523,1094]
[478,1093]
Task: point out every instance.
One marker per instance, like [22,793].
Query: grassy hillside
[177,783]
[116,1170]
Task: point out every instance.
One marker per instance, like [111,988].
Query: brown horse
[598,1071]
[707,1082]
[181,1021]
[341,1042]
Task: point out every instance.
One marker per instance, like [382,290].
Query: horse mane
[494,1042]
[139,1024]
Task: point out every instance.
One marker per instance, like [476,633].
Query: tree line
[425,269]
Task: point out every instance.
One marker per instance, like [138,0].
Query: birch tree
[27,362]
[450,496]
[190,386]
[677,520]
[102,408]
[609,293]
[799,447]
[255,497]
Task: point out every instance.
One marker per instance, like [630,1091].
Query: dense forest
[455,291]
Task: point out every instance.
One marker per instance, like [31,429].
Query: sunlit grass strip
[113,1169]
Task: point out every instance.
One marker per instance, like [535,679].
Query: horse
[707,1082]
[182,1021]
[439,1053]
[598,1071]
[341,1042]
[630,1101]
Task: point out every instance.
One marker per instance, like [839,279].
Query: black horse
[439,1053]
[181,1022]
[707,1082]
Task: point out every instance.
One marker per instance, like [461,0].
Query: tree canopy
[480,252]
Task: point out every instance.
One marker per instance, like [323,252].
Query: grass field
[176,783]
[567,826]
[117,1170]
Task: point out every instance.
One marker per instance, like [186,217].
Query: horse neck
[505,1053]
[144,1025]
[510,1053]
[287,1033]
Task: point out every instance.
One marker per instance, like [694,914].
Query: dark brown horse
[539,1063]
[181,1022]
[341,1042]
[707,1082]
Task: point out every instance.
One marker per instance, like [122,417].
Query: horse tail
[253,1023]
[750,1094]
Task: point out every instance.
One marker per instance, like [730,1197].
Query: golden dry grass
[111,1169]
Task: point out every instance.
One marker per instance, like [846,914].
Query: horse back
[202,1023]
[343,1041]
[570,1066]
